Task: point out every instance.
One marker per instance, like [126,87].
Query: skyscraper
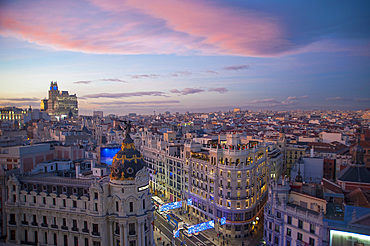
[60,103]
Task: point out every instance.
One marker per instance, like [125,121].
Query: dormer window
[74,191]
[54,189]
[44,188]
[85,192]
[64,189]
[34,187]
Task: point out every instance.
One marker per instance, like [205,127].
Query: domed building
[51,208]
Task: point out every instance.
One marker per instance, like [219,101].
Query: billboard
[345,238]
[169,206]
[107,154]
[201,227]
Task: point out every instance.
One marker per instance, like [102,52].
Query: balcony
[24,222]
[34,223]
[64,228]
[12,222]
[96,233]
[74,229]
[54,226]
[85,230]
[44,225]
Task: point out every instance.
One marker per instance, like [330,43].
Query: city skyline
[182,56]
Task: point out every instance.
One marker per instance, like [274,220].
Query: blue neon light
[107,154]
[201,227]
[170,206]
[190,201]
[176,233]
[223,221]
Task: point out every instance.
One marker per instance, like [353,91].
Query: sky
[139,56]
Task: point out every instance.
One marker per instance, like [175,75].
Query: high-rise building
[60,103]
[222,179]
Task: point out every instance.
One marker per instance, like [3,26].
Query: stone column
[142,234]
[126,233]
[151,235]
[121,235]
[139,233]
[111,233]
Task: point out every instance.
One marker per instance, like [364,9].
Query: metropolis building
[60,103]
[222,179]
[53,207]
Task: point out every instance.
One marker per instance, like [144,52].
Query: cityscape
[198,123]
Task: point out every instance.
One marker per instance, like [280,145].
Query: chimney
[77,165]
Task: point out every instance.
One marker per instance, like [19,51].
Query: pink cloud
[144,27]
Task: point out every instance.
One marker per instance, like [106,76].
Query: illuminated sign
[170,206]
[190,201]
[176,233]
[201,227]
[345,238]
[223,221]
[143,187]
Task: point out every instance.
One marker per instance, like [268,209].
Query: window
[277,228]
[288,243]
[312,228]
[143,204]
[131,207]
[299,236]
[117,208]
[289,220]
[55,239]
[95,206]
[131,229]
[95,228]
[288,232]
[74,223]
[12,235]
[34,218]
[312,242]
[300,224]
[64,222]
[34,199]
[276,240]
[44,220]
[74,203]
[85,224]
[278,214]
[96,195]
[64,202]
[54,201]
[270,225]
[75,240]
[87,242]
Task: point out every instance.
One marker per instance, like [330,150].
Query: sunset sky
[195,55]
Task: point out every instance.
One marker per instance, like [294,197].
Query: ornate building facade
[59,103]
[223,180]
[65,207]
